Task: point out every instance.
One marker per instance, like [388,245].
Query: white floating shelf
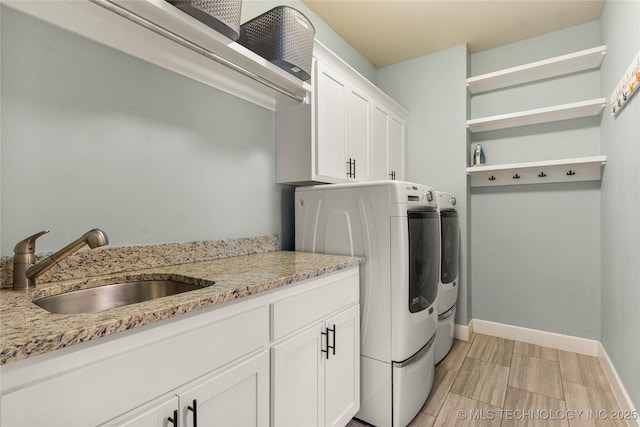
[560,65]
[566,170]
[93,21]
[541,115]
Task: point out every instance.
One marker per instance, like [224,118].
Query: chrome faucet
[25,269]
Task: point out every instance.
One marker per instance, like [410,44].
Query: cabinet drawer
[98,389]
[328,296]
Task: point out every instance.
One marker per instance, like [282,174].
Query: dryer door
[424,257]
[450,245]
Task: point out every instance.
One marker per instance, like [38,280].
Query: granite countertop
[28,330]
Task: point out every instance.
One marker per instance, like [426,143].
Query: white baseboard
[624,400]
[461,332]
[558,341]
[533,336]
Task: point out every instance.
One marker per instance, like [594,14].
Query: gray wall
[433,89]
[621,200]
[92,137]
[536,248]
[95,138]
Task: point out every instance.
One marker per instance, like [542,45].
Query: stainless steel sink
[111,296]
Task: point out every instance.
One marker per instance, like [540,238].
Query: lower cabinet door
[298,379]
[154,416]
[237,397]
[342,374]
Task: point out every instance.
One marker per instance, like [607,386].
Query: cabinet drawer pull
[333,346]
[325,335]
[174,420]
[328,346]
[351,173]
[194,409]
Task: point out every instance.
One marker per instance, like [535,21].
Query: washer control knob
[453,201]
[429,196]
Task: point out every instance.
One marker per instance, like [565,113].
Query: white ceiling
[391,31]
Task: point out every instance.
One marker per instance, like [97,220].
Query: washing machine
[449,272]
[395,226]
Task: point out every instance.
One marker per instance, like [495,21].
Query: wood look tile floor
[491,381]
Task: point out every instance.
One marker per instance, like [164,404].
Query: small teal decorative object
[478,156]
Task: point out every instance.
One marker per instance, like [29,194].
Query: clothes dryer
[449,272]
[395,226]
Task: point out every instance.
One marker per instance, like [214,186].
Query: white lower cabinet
[316,370]
[155,415]
[298,380]
[232,397]
[342,375]
[235,397]
[95,383]
[248,363]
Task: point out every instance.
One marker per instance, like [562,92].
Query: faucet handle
[28,245]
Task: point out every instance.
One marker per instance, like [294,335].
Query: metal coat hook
[542,174]
[492,178]
[570,173]
[516,176]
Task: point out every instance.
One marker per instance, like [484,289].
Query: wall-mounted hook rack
[579,169]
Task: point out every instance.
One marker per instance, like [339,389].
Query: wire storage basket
[284,36]
[221,15]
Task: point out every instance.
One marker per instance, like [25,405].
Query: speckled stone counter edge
[110,260]
[28,330]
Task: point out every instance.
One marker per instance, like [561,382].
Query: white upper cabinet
[333,137]
[388,141]
[396,142]
[358,134]
[342,132]
[342,127]
[331,123]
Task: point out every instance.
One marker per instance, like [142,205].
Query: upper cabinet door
[154,416]
[396,148]
[331,144]
[379,143]
[358,138]
[388,131]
